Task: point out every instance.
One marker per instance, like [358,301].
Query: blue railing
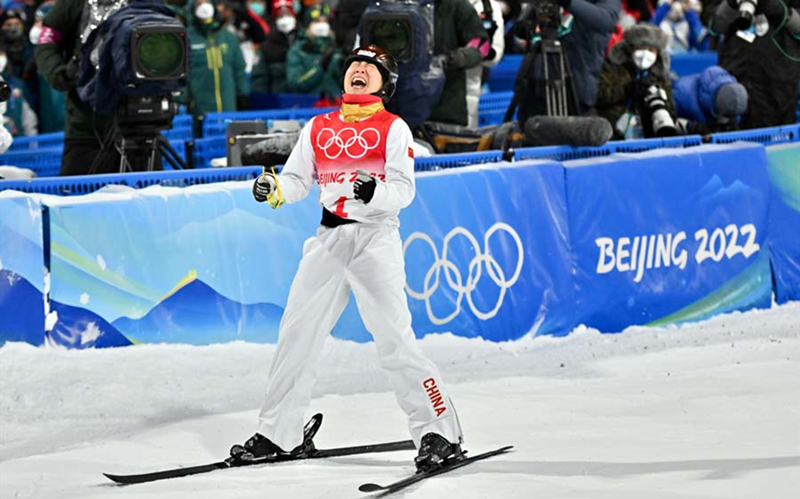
[85,184]
[215,146]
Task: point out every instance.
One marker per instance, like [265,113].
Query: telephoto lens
[662,122]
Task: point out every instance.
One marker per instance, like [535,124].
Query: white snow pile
[54,399]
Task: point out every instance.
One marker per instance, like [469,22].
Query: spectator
[635,72]
[765,58]
[17,47]
[18,117]
[247,26]
[259,8]
[269,74]
[584,29]
[218,81]
[312,9]
[314,63]
[49,104]
[711,101]
[680,21]
[345,22]
[460,38]
[475,76]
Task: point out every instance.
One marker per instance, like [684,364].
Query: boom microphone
[567,130]
[271,151]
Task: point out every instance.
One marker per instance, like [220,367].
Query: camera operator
[635,92]
[57,59]
[583,28]
[461,41]
[761,49]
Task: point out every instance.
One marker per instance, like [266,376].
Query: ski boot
[257,448]
[435,451]
[260,448]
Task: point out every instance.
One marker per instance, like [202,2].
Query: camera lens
[393,36]
[161,55]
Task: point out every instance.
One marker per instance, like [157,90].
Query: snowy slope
[707,410]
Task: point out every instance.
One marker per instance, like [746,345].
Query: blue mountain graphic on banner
[75,327]
[22,318]
[195,313]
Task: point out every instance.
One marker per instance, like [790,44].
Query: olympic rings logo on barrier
[347,140]
[455,279]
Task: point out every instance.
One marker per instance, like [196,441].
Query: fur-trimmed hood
[641,35]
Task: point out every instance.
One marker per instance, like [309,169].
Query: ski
[309,431]
[418,477]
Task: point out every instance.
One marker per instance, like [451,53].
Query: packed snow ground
[707,410]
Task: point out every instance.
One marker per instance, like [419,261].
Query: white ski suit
[365,258]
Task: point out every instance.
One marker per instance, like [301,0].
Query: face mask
[33,36]
[257,8]
[644,59]
[13,33]
[204,11]
[320,29]
[286,24]
[3,62]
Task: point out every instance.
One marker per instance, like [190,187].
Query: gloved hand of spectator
[456,59]
[564,4]
[66,76]
[524,29]
[364,187]
[263,186]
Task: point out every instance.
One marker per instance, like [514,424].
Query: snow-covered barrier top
[496,251]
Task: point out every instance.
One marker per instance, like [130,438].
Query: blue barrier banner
[669,236]
[490,258]
[784,219]
[199,265]
[22,269]
[207,264]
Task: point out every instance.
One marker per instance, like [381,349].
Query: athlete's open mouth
[358,82]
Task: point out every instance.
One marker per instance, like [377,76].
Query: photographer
[761,49]
[57,59]
[460,39]
[635,92]
[711,101]
[583,28]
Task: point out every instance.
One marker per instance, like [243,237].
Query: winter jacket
[217,67]
[475,75]
[695,94]
[305,67]
[760,60]
[622,86]
[52,56]
[269,74]
[586,44]
[456,24]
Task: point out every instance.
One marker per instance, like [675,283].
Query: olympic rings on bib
[348,141]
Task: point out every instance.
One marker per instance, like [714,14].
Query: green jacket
[456,22]
[65,18]
[304,71]
[217,71]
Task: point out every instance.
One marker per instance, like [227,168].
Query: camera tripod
[136,136]
[546,58]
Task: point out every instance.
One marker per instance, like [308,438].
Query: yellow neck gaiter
[358,107]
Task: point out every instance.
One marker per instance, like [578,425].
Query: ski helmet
[385,63]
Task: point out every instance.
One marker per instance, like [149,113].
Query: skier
[362,160]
